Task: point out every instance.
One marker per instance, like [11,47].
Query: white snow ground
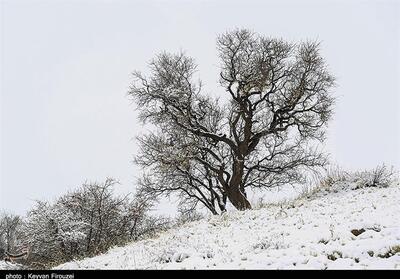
[9,266]
[307,233]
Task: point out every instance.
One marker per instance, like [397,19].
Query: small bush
[334,174]
[380,177]
[187,217]
[275,241]
[262,245]
[336,179]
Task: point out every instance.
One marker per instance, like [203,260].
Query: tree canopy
[207,151]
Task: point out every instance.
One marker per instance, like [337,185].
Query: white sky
[65,71]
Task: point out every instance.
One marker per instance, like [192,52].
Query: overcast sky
[65,71]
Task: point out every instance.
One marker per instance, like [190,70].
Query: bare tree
[276,105]
[85,222]
[52,233]
[110,219]
[96,205]
[10,225]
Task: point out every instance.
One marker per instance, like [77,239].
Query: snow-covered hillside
[340,229]
[9,266]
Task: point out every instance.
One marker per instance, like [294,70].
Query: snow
[305,233]
[9,266]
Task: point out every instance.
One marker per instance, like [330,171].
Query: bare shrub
[380,177]
[83,223]
[188,216]
[333,175]
[10,229]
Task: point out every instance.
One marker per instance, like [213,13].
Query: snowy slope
[306,233]
[9,266]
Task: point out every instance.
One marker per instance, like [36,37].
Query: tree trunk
[234,193]
[238,199]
